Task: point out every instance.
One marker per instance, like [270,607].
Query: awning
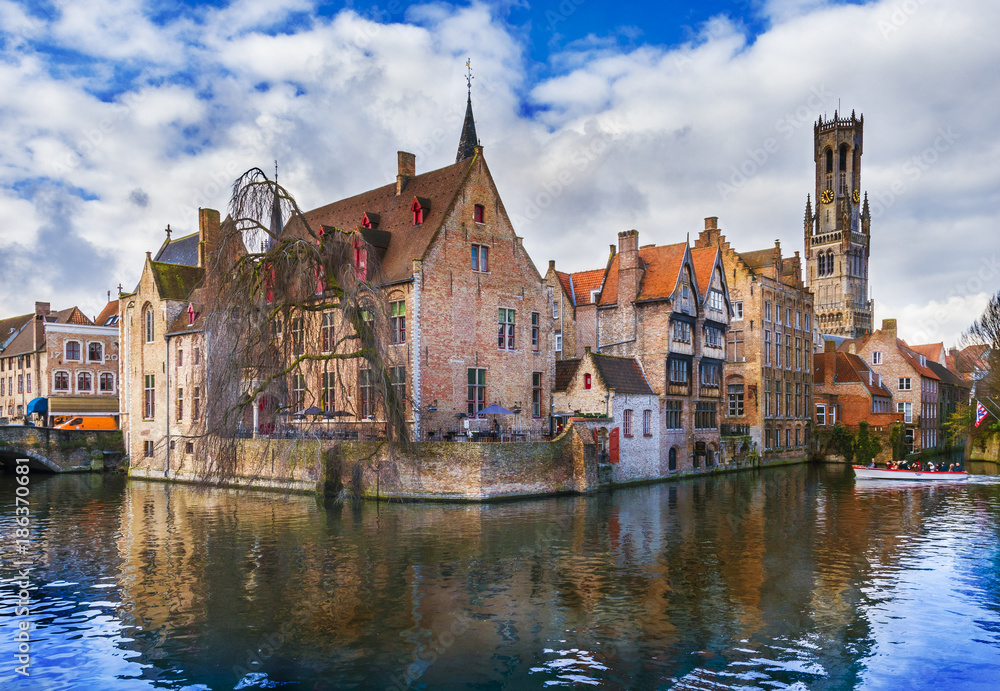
[37,405]
[81,405]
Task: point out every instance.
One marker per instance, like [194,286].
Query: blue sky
[120,117]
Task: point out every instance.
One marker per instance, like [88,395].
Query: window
[798,353]
[477,213]
[481,259]
[716,300]
[788,352]
[535,317]
[820,415]
[876,358]
[767,347]
[536,394]
[704,416]
[807,321]
[798,400]
[798,325]
[328,381]
[767,398]
[736,400]
[147,449]
[418,212]
[180,405]
[788,399]
[738,310]
[180,357]
[904,383]
[777,350]
[673,410]
[107,382]
[788,316]
[798,437]
[3,387]
[505,334]
[767,310]
[558,342]
[682,331]
[150,331]
[678,370]
[95,352]
[397,378]
[298,336]
[326,335]
[711,373]
[149,397]
[197,355]
[907,410]
[299,391]
[831,415]
[196,404]
[72,350]
[60,381]
[713,337]
[189,447]
[672,460]
[84,382]
[366,389]
[586,381]
[734,350]
[476,390]
[20,383]
[647,423]
[27,382]
[627,422]
[397,320]
[555,309]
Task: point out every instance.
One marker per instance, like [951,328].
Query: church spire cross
[468,141]
[468,76]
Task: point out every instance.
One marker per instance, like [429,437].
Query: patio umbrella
[312,410]
[337,413]
[495,410]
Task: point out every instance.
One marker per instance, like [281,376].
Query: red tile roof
[566,282]
[703,259]
[914,360]
[110,310]
[436,189]
[931,351]
[583,283]
[847,368]
[662,266]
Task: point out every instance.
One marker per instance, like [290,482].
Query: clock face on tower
[857,196]
[827,196]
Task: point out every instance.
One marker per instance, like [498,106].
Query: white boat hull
[863,473]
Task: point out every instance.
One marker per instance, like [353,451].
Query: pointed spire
[467,143]
[276,224]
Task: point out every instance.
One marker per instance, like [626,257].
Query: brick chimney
[889,329]
[209,235]
[829,346]
[710,236]
[42,310]
[407,163]
[629,272]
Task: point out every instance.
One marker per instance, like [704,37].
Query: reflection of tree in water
[296,316]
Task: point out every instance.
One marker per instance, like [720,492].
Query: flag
[981,413]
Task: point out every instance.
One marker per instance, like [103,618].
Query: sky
[119,117]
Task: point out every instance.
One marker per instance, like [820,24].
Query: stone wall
[59,450]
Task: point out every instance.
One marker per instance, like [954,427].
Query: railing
[730,430]
[826,238]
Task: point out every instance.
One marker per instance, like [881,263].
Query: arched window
[60,381]
[586,381]
[148,320]
[95,352]
[829,161]
[72,350]
[84,381]
[672,462]
[829,263]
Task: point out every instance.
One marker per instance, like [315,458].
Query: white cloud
[652,138]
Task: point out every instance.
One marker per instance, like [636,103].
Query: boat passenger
[930,466]
[951,468]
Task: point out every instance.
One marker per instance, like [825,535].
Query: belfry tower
[838,234]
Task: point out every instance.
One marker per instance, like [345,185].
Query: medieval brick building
[574,308]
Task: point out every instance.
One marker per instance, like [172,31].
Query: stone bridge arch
[58,450]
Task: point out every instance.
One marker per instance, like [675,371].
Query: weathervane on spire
[276,171]
[468,75]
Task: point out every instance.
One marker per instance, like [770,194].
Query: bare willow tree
[985,333]
[294,321]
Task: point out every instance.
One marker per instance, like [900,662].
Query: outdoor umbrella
[495,410]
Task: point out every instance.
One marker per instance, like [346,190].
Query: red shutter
[614,445]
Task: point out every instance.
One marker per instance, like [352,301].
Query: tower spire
[467,143]
[276,224]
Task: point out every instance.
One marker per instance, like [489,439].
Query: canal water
[796,578]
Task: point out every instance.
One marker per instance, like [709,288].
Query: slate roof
[565,371]
[183,250]
[621,374]
[467,142]
[182,323]
[10,327]
[662,266]
[944,374]
[175,281]
[408,242]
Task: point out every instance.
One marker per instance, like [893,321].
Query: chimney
[552,265]
[829,346]
[407,163]
[209,235]
[628,266]
[889,328]
[852,348]
[42,310]
[711,223]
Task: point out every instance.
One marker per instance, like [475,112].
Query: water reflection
[790,577]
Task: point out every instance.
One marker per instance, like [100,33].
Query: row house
[55,365]
[953,391]
[163,362]
[668,308]
[768,381]
[915,387]
[574,308]
[470,320]
[848,391]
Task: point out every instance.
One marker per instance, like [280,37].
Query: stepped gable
[621,374]
[436,191]
[662,267]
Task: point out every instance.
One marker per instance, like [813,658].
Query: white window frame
[738,310]
[877,357]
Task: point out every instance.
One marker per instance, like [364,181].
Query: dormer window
[419,207]
[192,315]
[369,220]
[477,213]
[586,381]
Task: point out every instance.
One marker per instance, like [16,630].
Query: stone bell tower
[837,235]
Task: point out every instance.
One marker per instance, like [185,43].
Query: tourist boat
[863,473]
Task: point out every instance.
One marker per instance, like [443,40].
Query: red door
[613,450]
